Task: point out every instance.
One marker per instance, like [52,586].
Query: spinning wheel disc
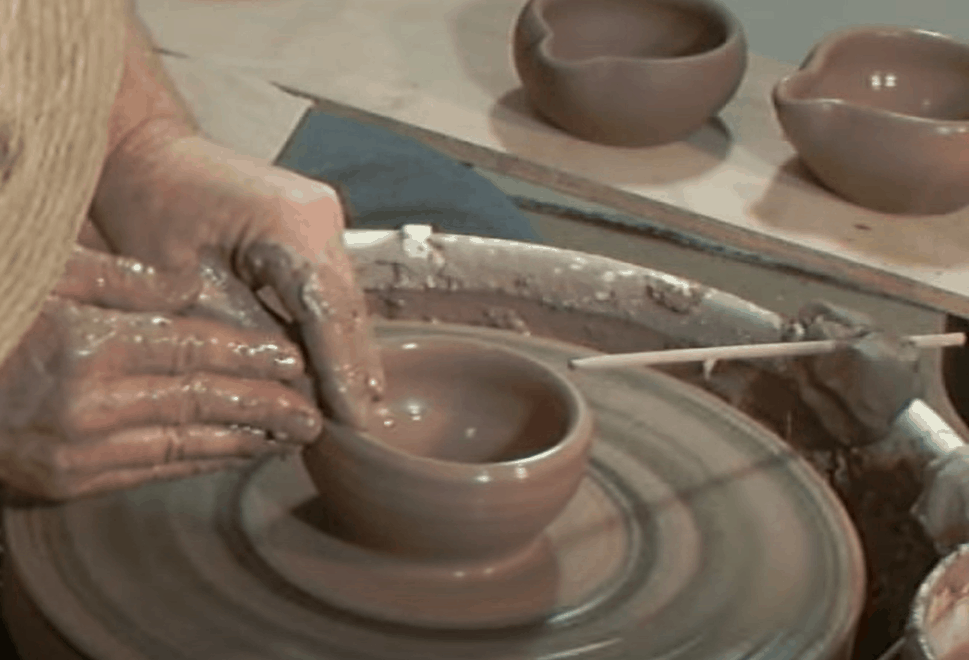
[733,548]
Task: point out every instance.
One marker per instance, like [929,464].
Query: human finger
[153,344]
[367,352]
[333,323]
[144,401]
[158,445]
[106,280]
[375,382]
[97,483]
[227,299]
[45,466]
[105,482]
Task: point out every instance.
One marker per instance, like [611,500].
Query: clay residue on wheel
[897,551]
[675,294]
[540,274]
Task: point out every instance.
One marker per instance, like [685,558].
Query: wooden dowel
[746,352]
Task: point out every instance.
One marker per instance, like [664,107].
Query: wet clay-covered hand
[106,391]
[169,199]
[943,507]
[858,392]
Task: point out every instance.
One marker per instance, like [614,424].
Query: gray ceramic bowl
[487,448]
[629,72]
[880,115]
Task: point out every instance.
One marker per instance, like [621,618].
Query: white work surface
[248,114]
[441,69]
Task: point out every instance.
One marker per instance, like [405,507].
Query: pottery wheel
[698,534]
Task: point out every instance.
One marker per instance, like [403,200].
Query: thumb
[106,280]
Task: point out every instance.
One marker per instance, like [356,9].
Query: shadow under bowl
[880,115]
[629,72]
[478,449]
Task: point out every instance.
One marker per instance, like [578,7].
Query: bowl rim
[579,431]
[734,36]
[819,54]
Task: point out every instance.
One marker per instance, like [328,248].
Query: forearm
[147,103]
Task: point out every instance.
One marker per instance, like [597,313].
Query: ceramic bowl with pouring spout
[880,115]
[629,72]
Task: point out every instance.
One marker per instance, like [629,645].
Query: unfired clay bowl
[629,72]
[939,625]
[880,115]
[486,448]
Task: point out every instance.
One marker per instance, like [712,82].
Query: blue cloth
[388,180]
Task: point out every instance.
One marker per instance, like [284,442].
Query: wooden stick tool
[746,352]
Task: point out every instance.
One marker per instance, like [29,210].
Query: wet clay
[725,531]
[563,570]
[225,298]
[880,115]
[479,450]
[273,227]
[471,406]
[327,307]
[629,72]
[898,552]
[898,556]
[97,398]
[857,394]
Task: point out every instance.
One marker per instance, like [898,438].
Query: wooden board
[441,69]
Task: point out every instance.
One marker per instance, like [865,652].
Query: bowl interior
[907,73]
[469,403]
[584,29]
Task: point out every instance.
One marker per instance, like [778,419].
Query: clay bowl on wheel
[629,72]
[880,115]
[478,449]
[937,628]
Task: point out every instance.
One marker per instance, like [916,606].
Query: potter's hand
[95,399]
[169,199]
[943,507]
[858,392]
